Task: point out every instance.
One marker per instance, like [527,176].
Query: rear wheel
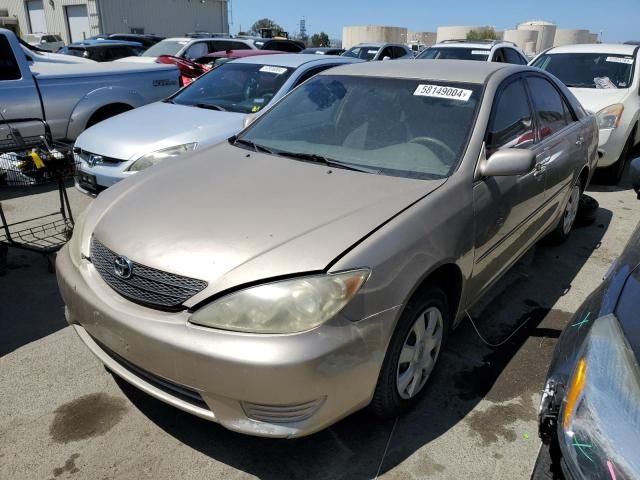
[412,354]
[568,218]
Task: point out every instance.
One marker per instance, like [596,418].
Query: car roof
[473,45]
[469,71]
[293,60]
[200,39]
[378,44]
[104,43]
[242,53]
[614,48]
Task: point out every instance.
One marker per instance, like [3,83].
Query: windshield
[589,70]
[398,127]
[31,38]
[454,53]
[165,47]
[364,53]
[235,87]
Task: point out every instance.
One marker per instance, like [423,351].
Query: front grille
[146,285]
[282,413]
[86,157]
[186,394]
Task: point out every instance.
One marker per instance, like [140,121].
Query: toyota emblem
[123,267]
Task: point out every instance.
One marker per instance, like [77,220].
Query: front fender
[96,99]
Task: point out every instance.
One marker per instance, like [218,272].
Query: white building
[76,20]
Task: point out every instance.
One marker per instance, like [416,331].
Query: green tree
[264,23]
[320,40]
[483,33]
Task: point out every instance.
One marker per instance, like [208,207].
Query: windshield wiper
[211,106]
[329,162]
[254,146]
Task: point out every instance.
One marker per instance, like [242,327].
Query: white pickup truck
[71,98]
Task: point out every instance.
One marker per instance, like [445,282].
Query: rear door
[507,209]
[559,134]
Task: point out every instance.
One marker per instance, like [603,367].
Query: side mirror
[634,173]
[507,162]
[249,119]
[385,58]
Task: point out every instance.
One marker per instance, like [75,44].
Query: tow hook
[548,411]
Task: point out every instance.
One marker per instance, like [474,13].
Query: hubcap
[419,353]
[572,210]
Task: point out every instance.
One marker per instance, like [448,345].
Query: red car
[218,58]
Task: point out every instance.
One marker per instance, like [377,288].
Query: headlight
[75,244]
[609,117]
[600,417]
[288,306]
[150,159]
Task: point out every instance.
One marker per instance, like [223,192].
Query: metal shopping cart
[27,165]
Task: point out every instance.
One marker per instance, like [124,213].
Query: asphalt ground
[62,415]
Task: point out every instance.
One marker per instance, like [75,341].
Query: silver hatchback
[315,263]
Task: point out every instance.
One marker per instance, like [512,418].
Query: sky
[619,20]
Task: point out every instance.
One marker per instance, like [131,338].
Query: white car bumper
[93,179]
[610,145]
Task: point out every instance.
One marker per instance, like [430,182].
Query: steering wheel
[430,141]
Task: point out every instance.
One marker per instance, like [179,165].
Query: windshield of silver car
[235,87]
[165,47]
[589,70]
[398,127]
[364,53]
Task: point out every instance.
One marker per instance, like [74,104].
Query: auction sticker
[628,61]
[439,91]
[276,70]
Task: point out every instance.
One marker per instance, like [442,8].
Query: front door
[506,208]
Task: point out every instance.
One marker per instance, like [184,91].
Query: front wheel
[412,353]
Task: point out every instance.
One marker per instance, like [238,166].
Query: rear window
[589,70]
[454,53]
[165,47]
[9,69]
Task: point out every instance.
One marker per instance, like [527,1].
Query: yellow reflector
[575,390]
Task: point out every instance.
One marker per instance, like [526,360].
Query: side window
[238,46]
[398,52]
[387,52]
[511,122]
[197,50]
[311,73]
[549,106]
[498,56]
[9,69]
[512,56]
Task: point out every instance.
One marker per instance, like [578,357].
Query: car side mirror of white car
[508,162]
[634,173]
[249,119]
[385,58]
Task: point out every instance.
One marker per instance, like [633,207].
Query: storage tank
[422,38]
[455,33]
[546,33]
[521,37]
[530,48]
[372,33]
[570,36]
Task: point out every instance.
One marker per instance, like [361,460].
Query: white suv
[44,41]
[190,48]
[482,50]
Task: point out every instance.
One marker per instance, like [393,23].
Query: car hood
[230,216]
[595,99]
[156,126]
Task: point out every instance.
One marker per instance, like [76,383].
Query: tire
[394,394]
[587,211]
[612,174]
[565,225]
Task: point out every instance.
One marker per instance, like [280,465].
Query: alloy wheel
[419,353]
[571,210]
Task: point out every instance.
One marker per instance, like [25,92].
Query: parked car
[606,80]
[379,51]
[72,97]
[44,41]
[484,51]
[281,45]
[315,263]
[211,109]
[103,50]
[37,55]
[146,40]
[324,51]
[190,48]
[589,415]
[218,58]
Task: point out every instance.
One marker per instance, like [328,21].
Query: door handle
[580,140]
[539,169]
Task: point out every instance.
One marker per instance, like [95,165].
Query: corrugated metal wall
[162,17]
